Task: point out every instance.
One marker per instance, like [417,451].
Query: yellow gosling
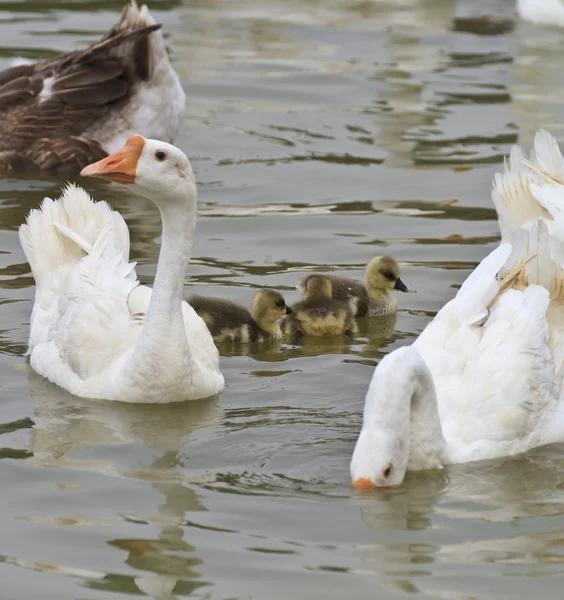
[319,314]
[371,298]
[228,321]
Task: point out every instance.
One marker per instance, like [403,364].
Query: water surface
[322,132]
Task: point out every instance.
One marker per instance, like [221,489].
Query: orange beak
[363,484]
[121,166]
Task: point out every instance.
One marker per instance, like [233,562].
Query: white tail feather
[514,201]
[481,286]
[546,269]
[538,169]
[551,197]
[71,235]
[512,198]
[57,234]
[546,154]
[542,257]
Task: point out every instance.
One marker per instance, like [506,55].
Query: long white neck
[164,317]
[427,440]
[163,340]
[401,426]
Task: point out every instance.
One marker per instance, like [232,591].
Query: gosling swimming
[228,321]
[371,298]
[318,313]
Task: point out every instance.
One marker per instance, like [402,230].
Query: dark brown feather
[95,95]
[58,155]
[66,155]
[141,58]
[14,161]
[16,72]
[103,47]
[89,75]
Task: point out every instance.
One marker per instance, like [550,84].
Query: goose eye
[387,471]
[280,304]
[160,155]
[389,276]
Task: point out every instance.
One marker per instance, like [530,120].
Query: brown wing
[58,155]
[45,107]
[66,155]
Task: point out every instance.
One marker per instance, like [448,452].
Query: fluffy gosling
[371,298]
[228,321]
[318,313]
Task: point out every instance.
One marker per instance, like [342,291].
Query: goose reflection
[66,427]
[414,52]
[466,514]
[263,32]
[537,88]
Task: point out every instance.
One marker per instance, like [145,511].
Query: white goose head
[155,170]
[401,426]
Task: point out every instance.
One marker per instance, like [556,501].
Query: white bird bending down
[94,330]
[485,377]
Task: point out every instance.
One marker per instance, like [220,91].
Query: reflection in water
[380,333]
[374,335]
[406,76]
[502,491]
[538,86]
[66,426]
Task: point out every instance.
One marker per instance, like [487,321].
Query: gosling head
[383,273]
[317,286]
[268,307]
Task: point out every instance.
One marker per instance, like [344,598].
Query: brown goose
[64,113]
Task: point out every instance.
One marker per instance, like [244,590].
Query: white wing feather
[496,382]
[519,192]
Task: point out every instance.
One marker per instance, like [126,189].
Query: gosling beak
[121,166]
[362,483]
[288,310]
[400,285]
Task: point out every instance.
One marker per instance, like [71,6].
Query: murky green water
[322,132]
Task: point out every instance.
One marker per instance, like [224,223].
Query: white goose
[94,330]
[484,379]
[542,12]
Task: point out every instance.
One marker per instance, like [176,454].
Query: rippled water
[322,132]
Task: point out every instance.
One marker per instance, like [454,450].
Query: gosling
[318,313]
[371,298]
[229,322]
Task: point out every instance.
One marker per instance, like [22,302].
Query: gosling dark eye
[160,155]
[389,275]
[387,471]
[281,304]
